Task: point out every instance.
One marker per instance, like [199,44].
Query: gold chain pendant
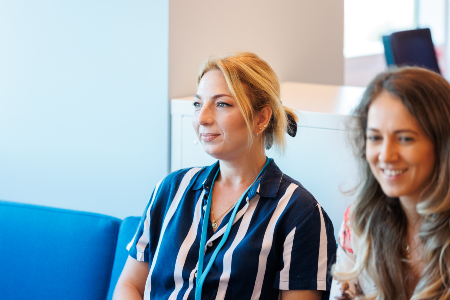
[214,224]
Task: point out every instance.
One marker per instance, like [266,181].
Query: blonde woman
[395,240]
[239,229]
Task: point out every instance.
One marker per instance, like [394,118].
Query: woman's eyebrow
[406,131]
[372,129]
[396,131]
[221,95]
[213,97]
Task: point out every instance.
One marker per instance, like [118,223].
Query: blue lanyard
[201,275]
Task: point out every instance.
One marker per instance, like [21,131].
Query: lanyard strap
[201,275]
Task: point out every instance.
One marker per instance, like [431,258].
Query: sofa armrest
[126,233]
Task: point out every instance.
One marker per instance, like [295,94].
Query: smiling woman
[400,155]
[239,229]
[395,239]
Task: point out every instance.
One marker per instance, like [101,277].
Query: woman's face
[218,122]
[400,156]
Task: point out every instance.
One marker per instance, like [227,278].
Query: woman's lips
[392,174]
[208,137]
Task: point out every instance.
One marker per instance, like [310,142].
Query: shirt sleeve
[343,290]
[138,248]
[309,251]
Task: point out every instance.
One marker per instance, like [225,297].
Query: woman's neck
[409,206]
[242,170]
[414,247]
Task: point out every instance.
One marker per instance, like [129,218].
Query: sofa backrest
[49,253]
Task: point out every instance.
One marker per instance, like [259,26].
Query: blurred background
[85,86]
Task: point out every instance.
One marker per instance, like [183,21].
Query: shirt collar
[267,186]
[206,176]
[269,183]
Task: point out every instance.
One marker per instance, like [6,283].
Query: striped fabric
[281,239]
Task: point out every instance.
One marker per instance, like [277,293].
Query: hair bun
[291,126]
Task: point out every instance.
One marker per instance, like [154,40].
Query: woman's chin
[220,155]
[391,193]
[213,154]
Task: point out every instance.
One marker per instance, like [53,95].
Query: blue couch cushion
[126,233]
[49,253]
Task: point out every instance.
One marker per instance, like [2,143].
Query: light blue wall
[83,103]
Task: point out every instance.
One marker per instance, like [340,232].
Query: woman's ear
[263,117]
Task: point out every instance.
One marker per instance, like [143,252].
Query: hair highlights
[379,221]
[254,85]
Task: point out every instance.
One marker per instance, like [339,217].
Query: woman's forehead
[212,83]
[387,111]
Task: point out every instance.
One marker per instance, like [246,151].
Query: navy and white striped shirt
[281,239]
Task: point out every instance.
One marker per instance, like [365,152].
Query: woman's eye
[405,139]
[373,138]
[196,104]
[223,104]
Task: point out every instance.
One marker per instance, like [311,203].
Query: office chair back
[411,48]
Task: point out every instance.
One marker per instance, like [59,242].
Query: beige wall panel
[302,40]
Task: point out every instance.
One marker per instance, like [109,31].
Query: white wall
[302,40]
[360,70]
[83,103]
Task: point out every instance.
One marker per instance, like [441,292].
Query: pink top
[345,261]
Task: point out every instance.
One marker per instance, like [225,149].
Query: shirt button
[210,244]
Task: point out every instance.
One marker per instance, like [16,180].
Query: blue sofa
[49,253]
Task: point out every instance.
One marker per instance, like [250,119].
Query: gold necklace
[214,224]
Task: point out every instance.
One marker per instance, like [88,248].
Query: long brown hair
[378,220]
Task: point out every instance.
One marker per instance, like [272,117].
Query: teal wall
[83,103]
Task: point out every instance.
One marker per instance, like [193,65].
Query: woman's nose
[205,115]
[388,151]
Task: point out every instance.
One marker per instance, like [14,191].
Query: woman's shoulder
[301,199]
[182,173]
[299,191]
[303,205]
[187,177]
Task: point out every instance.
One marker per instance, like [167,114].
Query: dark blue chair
[411,48]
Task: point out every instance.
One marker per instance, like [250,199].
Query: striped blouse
[281,239]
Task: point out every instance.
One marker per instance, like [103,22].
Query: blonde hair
[254,85]
[379,221]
